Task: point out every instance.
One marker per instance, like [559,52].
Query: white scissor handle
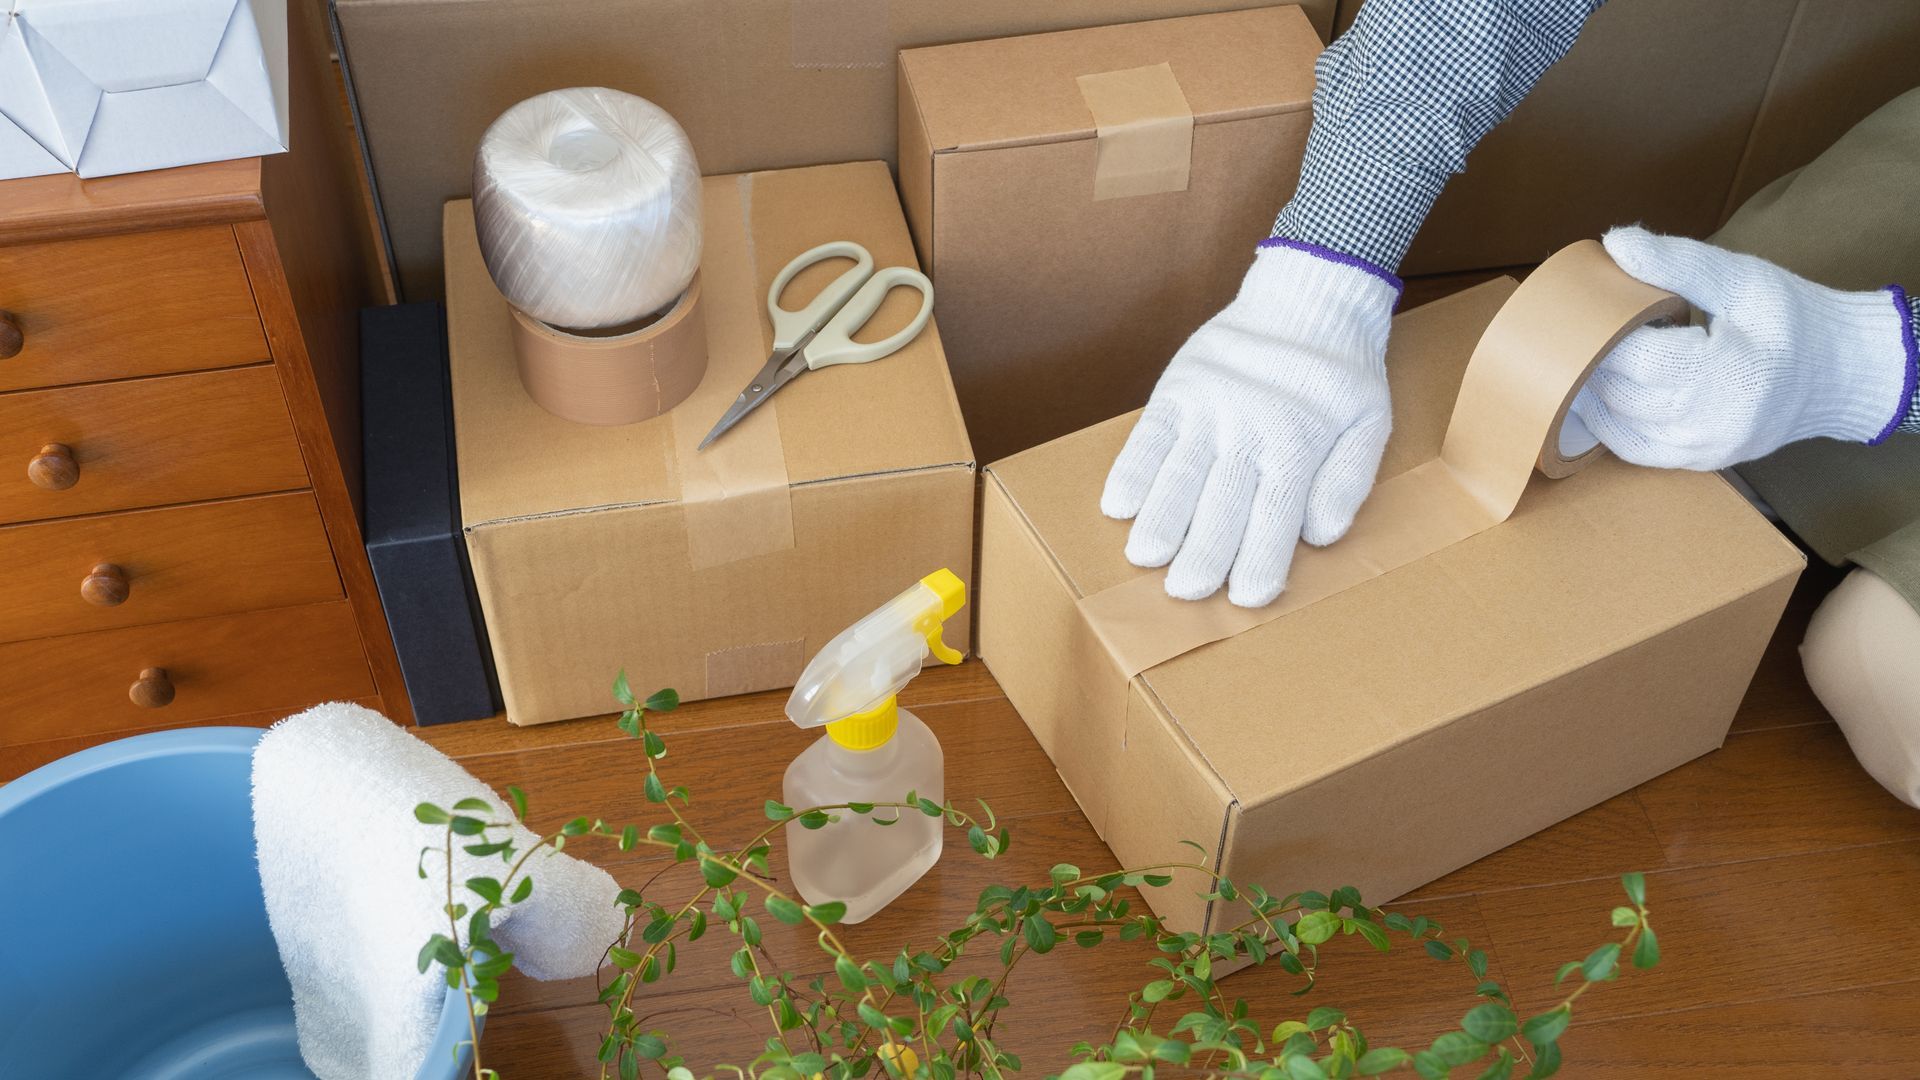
[834,343]
[790,326]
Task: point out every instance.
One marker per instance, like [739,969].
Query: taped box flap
[1584,568]
[1025,90]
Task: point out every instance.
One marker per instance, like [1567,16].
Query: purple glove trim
[1912,384]
[1340,257]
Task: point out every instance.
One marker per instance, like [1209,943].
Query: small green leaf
[1490,1023]
[715,872]
[479,805]
[1064,872]
[1156,991]
[1095,1070]
[830,912]
[656,747]
[1456,1048]
[1646,951]
[466,826]
[1625,916]
[1380,1060]
[623,958]
[519,800]
[663,701]
[1546,1062]
[1439,950]
[1040,933]
[850,974]
[778,811]
[1316,927]
[577,827]
[629,837]
[1502,1066]
[785,910]
[522,890]
[649,1046]
[622,693]
[1546,1029]
[1324,1017]
[1636,886]
[1601,962]
[486,888]
[1566,969]
[429,814]
[656,791]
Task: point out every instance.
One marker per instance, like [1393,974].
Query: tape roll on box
[587,204]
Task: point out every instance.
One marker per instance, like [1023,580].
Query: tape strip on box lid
[839,34]
[733,494]
[1145,131]
[1531,361]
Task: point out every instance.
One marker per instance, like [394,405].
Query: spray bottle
[873,752]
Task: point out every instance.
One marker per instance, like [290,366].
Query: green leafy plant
[910,1016]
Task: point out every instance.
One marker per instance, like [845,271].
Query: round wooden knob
[105,585]
[12,338]
[54,468]
[152,690]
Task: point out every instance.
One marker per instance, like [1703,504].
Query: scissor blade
[780,369]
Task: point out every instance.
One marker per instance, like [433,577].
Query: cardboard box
[1064,295]
[1399,729]
[100,87]
[414,541]
[1669,113]
[719,572]
[758,84]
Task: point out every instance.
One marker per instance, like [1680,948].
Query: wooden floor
[1784,883]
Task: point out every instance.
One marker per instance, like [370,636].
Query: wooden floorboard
[1782,880]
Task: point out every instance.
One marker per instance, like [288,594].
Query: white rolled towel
[1859,654]
[334,790]
[587,204]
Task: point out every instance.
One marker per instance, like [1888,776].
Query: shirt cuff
[1352,202]
[1912,342]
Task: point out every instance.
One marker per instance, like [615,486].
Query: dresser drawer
[78,575]
[206,668]
[145,442]
[110,307]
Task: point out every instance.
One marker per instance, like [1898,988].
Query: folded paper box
[1085,199]
[715,572]
[100,87]
[1396,729]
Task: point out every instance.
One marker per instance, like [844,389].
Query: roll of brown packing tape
[1528,365]
[615,378]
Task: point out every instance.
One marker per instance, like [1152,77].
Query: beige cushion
[1861,653]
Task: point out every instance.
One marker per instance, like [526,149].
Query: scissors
[821,334]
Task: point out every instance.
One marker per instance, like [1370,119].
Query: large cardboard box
[1394,731]
[758,84]
[1085,199]
[1670,113]
[719,572]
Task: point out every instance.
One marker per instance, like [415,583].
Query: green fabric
[1851,220]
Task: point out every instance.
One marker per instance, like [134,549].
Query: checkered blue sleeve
[1398,102]
[1912,422]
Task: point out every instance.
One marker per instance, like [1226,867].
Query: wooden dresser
[179,443]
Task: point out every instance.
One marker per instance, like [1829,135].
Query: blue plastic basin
[137,941]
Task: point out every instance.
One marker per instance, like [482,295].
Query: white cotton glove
[1781,359]
[1267,428]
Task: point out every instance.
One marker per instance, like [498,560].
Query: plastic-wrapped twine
[587,203]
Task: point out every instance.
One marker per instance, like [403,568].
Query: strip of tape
[1145,130]
[1531,361]
[745,669]
[835,34]
[733,494]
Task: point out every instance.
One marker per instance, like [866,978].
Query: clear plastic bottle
[873,752]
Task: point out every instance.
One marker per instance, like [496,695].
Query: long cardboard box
[758,84]
[1390,733]
[721,571]
[1084,199]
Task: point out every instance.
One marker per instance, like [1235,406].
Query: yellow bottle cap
[867,730]
[952,591]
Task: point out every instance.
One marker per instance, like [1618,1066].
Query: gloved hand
[1267,427]
[1781,359]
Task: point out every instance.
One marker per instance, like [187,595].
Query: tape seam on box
[744,669]
[1523,375]
[835,35]
[1144,131]
[734,496]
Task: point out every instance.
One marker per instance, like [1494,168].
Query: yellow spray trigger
[953,596]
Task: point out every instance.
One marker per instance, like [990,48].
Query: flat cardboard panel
[1842,60]
[757,84]
[1603,634]
[578,537]
[1060,310]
